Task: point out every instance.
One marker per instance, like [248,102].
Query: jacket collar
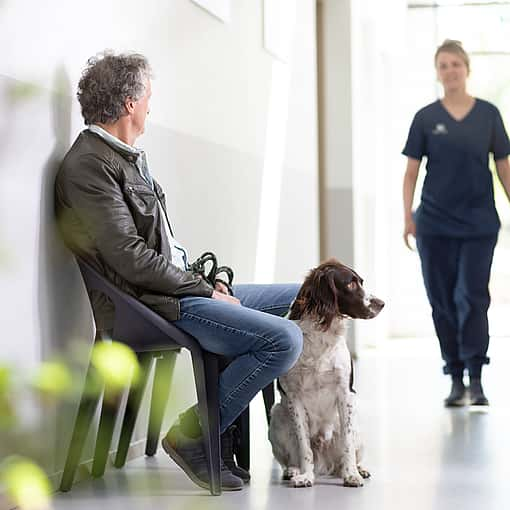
[129,152]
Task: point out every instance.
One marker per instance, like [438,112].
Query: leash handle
[211,275]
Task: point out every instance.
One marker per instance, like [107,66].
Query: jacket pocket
[140,193]
[167,307]
[143,204]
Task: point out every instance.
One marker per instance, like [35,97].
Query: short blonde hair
[452,46]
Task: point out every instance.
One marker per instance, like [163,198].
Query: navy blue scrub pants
[456,274]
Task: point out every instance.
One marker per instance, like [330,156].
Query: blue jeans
[262,344]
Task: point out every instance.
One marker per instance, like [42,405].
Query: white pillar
[335,132]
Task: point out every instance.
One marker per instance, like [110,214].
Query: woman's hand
[225,297]
[409,229]
[410,177]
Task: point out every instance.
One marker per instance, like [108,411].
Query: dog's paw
[304,480]
[289,473]
[353,481]
[363,472]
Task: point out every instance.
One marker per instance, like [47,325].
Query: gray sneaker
[189,454]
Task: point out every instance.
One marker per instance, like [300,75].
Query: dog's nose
[377,303]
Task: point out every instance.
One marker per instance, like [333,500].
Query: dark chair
[152,338]
[242,448]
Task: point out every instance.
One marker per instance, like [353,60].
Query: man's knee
[289,344]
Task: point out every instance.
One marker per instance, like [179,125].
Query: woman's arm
[503,169]
[410,177]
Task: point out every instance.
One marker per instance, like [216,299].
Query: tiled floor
[421,455]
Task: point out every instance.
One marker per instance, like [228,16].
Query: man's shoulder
[88,146]
[88,154]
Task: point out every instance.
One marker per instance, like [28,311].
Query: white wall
[206,140]
[356,43]
[380,68]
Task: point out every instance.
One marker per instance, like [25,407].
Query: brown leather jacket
[109,216]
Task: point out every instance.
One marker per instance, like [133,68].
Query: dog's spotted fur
[313,430]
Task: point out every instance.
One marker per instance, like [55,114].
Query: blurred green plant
[5,379]
[23,91]
[53,378]
[25,483]
[7,412]
[113,365]
[116,363]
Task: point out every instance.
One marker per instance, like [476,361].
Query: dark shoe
[476,395]
[189,454]
[228,439]
[457,397]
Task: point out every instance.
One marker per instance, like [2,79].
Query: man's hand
[221,287]
[225,297]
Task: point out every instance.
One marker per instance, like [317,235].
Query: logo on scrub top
[440,129]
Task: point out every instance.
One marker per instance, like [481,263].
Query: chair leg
[242,449]
[205,368]
[86,411]
[268,394]
[109,411]
[163,373]
[132,408]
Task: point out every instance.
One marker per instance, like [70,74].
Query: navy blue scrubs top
[458,196]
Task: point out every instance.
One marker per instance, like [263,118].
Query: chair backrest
[136,324]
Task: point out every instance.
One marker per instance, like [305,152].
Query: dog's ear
[323,288]
[326,297]
[317,298]
[299,305]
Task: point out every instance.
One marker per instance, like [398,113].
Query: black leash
[210,274]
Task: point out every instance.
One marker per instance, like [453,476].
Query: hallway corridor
[421,455]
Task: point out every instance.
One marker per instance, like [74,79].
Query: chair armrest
[128,307]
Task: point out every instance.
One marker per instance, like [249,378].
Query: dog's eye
[351,286]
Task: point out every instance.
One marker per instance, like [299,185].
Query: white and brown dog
[313,430]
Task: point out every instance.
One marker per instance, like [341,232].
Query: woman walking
[456,225]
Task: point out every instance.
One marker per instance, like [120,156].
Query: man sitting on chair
[112,213]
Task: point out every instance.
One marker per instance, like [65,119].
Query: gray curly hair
[107,81]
